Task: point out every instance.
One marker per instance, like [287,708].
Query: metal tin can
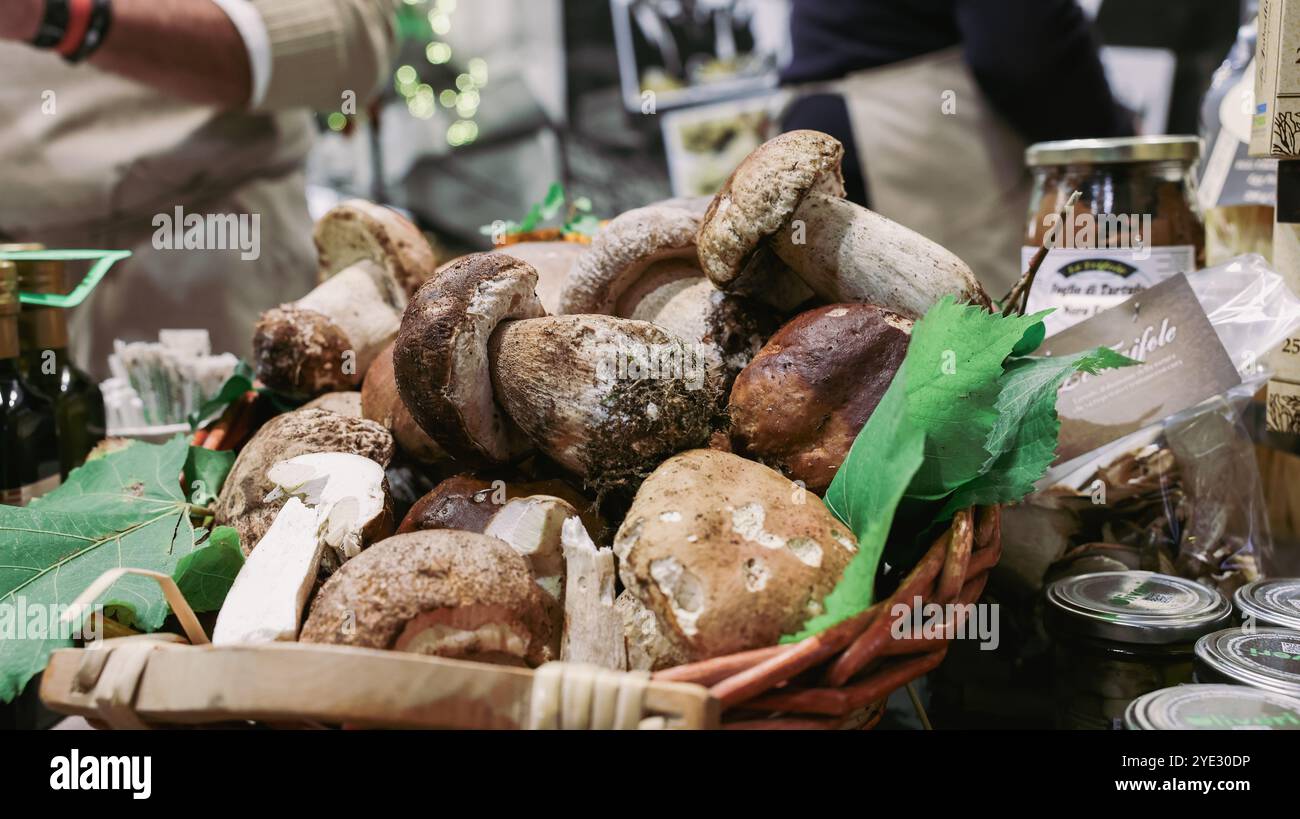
[1118,635]
[1262,658]
[1212,708]
[1270,602]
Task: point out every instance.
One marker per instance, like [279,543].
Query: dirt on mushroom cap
[729,554]
[372,598]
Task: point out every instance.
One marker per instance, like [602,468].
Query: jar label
[23,495]
[1081,282]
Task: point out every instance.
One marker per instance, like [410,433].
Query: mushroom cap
[801,402]
[606,398]
[356,230]
[380,402]
[729,554]
[242,503]
[552,261]
[444,592]
[301,352]
[440,360]
[759,198]
[621,252]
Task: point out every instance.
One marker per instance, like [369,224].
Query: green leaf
[1022,444]
[553,202]
[125,509]
[531,219]
[953,364]
[205,474]
[206,574]
[582,204]
[587,225]
[239,382]
[864,495]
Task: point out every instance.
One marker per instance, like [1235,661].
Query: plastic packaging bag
[1183,495]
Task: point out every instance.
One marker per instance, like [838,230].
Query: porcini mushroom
[371,258]
[242,502]
[643,265]
[337,503]
[486,375]
[381,403]
[447,593]
[356,230]
[728,554]
[786,199]
[344,403]
[469,502]
[801,402]
[593,628]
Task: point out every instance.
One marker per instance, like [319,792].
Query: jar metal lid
[1263,658]
[1123,149]
[1138,607]
[1212,707]
[1273,602]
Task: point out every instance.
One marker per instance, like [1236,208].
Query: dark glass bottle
[43,336]
[29,458]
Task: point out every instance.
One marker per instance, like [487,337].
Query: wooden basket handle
[180,606]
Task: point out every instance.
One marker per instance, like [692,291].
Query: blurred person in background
[117,112]
[935,102]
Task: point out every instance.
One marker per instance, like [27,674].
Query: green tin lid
[1213,708]
[1272,602]
[1137,607]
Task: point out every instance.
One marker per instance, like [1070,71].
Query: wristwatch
[74,28]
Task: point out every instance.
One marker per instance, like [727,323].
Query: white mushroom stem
[366,303]
[846,252]
[593,628]
[659,273]
[266,600]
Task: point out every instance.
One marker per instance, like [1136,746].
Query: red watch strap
[78,24]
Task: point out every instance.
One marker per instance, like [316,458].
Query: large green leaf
[953,364]
[125,509]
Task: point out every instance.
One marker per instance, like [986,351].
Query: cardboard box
[1275,127]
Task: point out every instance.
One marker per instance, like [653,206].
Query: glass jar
[1137,221]
[1270,602]
[1118,635]
[1212,708]
[1266,658]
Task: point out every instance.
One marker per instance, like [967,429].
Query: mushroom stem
[846,252]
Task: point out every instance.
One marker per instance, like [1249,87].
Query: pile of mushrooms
[635,431]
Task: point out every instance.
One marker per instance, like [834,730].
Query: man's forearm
[186,48]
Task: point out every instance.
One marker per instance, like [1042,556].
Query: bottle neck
[43,328]
[8,338]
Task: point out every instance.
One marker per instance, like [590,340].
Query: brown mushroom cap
[728,553]
[243,503]
[301,352]
[552,261]
[803,399]
[449,593]
[440,359]
[356,230]
[622,251]
[379,401]
[758,200]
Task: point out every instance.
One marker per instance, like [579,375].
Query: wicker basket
[836,679]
